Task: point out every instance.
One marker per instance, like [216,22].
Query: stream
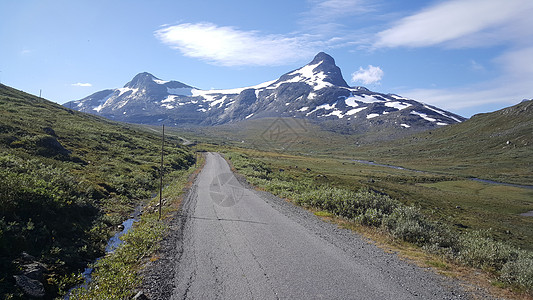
[470,178]
[112,245]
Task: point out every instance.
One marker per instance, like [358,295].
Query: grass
[116,276]
[365,205]
[496,146]
[68,179]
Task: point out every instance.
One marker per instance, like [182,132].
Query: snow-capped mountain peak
[319,73]
[316,91]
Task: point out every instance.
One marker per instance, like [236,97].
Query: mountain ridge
[317,92]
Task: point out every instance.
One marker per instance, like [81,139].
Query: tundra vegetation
[326,187]
[67,180]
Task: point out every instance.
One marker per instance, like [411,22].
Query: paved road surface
[237,243]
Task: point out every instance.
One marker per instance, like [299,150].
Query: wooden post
[161,174]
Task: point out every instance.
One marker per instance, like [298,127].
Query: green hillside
[67,179]
[496,146]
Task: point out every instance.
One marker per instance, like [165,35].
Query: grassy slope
[496,146]
[67,178]
[475,148]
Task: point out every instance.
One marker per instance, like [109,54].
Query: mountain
[316,92]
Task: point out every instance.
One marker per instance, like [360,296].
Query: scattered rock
[34,270]
[31,287]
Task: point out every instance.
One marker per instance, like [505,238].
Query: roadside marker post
[161,174]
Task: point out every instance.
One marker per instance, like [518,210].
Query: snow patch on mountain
[337,113]
[364,99]
[442,113]
[218,101]
[159,81]
[398,105]
[124,90]
[423,116]
[355,110]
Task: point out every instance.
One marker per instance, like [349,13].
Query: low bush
[477,249]
[519,271]
[406,223]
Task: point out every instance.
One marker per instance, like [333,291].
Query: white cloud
[228,46]
[461,23]
[82,84]
[474,24]
[369,75]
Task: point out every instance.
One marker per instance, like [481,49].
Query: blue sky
[466,56]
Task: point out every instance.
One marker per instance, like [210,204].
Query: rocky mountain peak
[322,57]
[141,79]
[321,70]
[146,80]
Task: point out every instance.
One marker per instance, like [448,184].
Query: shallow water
[112,245]
[527,214]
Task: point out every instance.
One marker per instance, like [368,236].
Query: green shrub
[519,271]
[408,224]
[477,249]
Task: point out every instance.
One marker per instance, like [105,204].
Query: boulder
[34,270]
[31,287]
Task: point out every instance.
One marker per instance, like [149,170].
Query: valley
[238,243]
[308,149]
[388,167]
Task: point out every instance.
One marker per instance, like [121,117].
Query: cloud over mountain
[369,75]
[230,46]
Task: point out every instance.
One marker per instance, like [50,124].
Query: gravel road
[232,242]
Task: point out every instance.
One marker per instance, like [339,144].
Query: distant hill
[496,146]
[316,92]
[66,179]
